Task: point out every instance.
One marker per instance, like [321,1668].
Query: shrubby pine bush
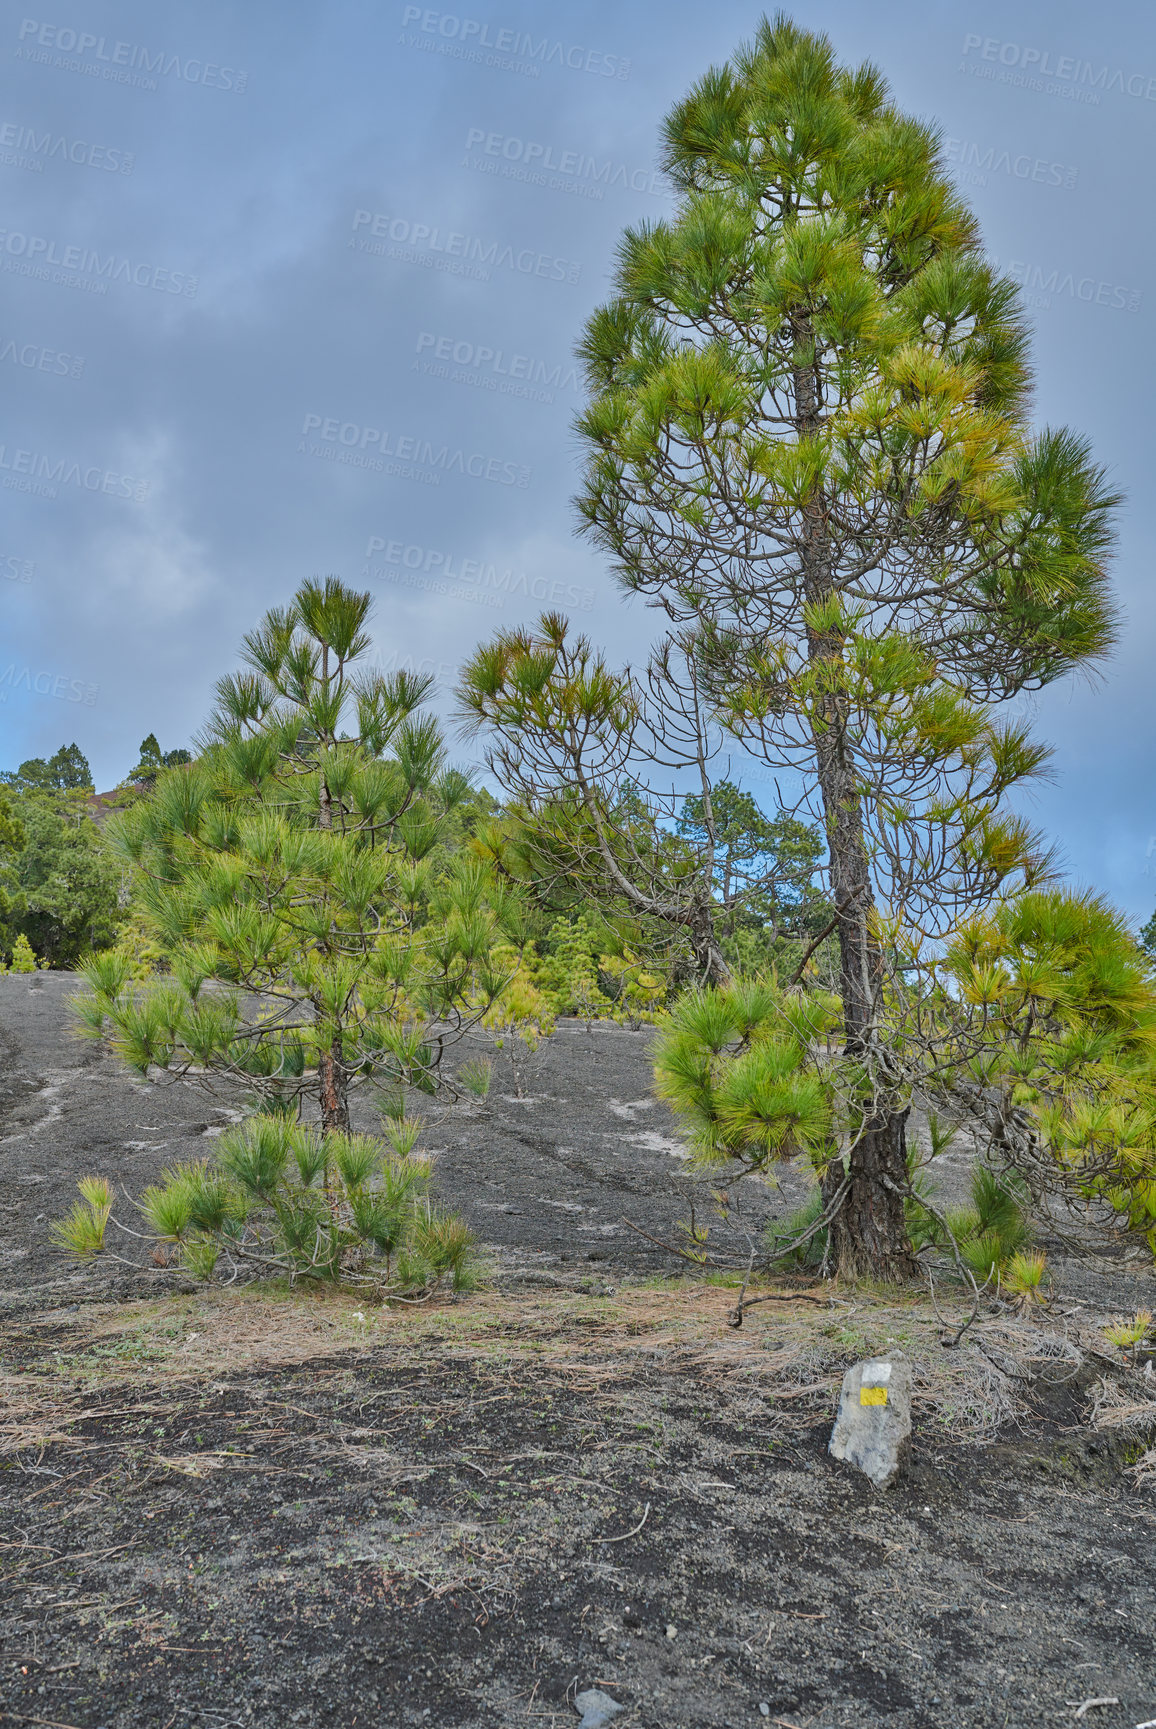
[583,967]
[282,1198]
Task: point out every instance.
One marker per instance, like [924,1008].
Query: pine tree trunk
[333,1081]
[334,1090]
[713,969]
[869,1234]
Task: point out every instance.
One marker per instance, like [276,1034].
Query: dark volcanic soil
[234,1508]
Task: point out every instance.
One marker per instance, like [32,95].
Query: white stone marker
[873,1428]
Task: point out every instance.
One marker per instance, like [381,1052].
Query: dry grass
[788,1357]
[1144,1470]
[1117,1407]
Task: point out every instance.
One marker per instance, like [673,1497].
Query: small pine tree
[23,959]
[315,933]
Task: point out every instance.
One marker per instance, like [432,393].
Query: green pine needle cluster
[282,1198]
[1049,998]
[82,1232]
[739,1066]
[993,1229]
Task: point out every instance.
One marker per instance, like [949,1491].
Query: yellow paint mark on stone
[873,1395]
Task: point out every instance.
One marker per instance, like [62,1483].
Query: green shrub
[1000,1198]
[23,959]
[1129,1332]
[282,1198]
[200,1255]
[991,1232]
[445,1242]
[477,1076]
[781,1232]
[1024,1276]
[82,1232]
[982,1256]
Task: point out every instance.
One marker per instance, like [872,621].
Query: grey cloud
[226,314]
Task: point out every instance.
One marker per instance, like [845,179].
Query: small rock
[764,1708]
[597,1708]
[671,1630]
[873,1428]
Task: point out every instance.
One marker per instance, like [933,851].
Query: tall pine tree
[809,439]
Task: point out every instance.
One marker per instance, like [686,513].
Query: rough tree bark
[334,1090]
[708,956]
[332,1078]
[868,1235]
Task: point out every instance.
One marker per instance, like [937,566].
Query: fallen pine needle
[67,1561]
[1089,1704]
[626,1534]
[19,1717]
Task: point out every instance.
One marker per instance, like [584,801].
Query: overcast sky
[292,289]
